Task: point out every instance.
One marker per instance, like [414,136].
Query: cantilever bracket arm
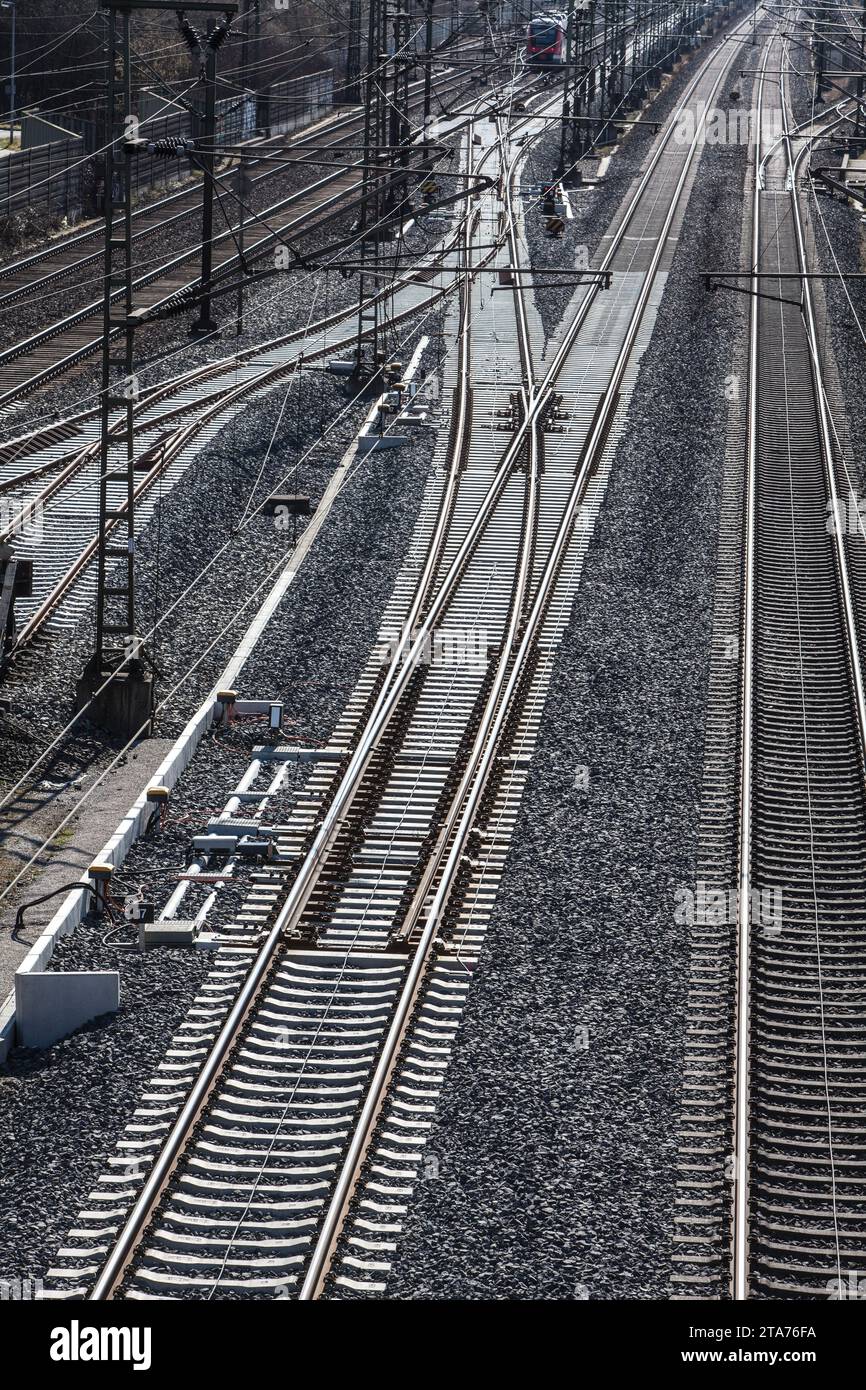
[725,276]
[858,194]
[599,278]
[210,6]
[280,153]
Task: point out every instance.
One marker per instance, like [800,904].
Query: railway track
[51,472]
[300,218]
[771,1192]
[275,1150]
[63,256]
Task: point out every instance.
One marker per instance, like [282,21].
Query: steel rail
[487,742]
[400,673]
[740,1236]
[740,1194]
[114,1268]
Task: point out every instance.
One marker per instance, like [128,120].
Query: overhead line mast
[372,200]
[353,55]
[578,42]
[116,686]
[387,134]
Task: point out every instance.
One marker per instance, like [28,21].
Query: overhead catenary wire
[47,751]
[201,575]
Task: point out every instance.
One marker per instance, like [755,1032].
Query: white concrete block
[375,443]
[50,1004]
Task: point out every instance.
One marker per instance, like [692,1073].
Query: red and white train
[545,40]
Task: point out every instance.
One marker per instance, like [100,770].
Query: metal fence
[50,179]
[298,102]
[64,178]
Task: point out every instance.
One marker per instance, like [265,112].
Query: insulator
[190,36]
[218,36]
[171,145]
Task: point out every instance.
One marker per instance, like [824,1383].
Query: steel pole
[12,75]
[205,324]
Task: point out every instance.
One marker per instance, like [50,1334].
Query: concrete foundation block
[173,931]
[7,1026]
[123,706]
[51,1004]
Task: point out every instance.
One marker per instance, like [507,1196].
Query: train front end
[544,42]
